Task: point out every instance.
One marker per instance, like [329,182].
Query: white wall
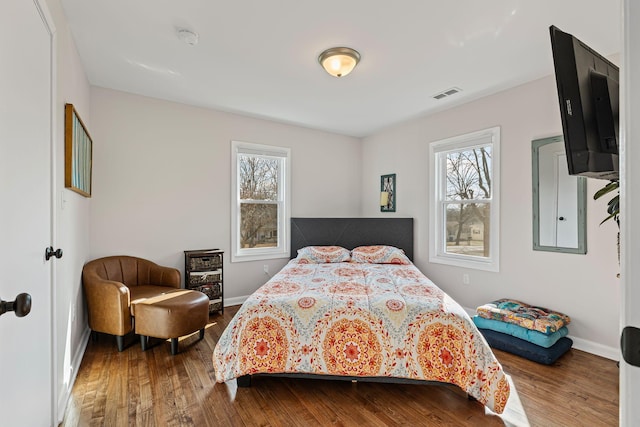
[72,217]
[161,179]
[582,286]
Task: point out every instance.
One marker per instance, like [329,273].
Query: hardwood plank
[154,388]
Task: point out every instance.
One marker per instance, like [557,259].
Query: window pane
[469,174]
[468,229]
[258,225]
[258,177]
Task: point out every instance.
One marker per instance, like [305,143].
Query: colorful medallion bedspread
[353,319]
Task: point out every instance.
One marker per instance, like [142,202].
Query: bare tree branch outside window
[259,201]
[468,201]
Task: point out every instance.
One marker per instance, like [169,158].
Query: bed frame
[348,233]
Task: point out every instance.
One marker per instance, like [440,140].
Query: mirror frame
[582,203]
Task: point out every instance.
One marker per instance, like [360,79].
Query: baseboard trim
[601,350]
[235,300]
[65,394]
[582,344]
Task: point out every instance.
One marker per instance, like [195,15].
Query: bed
[350,304]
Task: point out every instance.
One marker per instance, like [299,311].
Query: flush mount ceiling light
[339,61]
[187,36]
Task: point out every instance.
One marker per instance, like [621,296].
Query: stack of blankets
[535,333]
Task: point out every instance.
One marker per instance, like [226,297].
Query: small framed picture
[388,193]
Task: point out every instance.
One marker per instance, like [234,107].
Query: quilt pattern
[353,319]
[539,319]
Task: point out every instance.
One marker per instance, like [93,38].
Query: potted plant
[613,207]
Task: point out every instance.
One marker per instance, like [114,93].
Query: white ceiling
[259,58]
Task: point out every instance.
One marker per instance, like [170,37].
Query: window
[464,194]
[260,205]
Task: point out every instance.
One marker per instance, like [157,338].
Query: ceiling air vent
[446,93]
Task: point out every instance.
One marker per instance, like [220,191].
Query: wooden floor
[156,389]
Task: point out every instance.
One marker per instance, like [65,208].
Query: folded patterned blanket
[534,337]
[530,317]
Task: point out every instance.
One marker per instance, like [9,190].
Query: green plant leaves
[613,206]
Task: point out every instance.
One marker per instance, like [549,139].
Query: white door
[630,207]
[567,209]
[26,391]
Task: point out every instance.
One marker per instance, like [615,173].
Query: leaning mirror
[559,200]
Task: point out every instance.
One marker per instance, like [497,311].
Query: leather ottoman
[170,316]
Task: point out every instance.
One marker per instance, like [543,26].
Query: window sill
[466,262]
[259,257]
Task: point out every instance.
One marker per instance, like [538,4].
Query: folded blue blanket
[511,344]
[517,331]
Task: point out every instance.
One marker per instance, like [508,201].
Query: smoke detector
[187,36]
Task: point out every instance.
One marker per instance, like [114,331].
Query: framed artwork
[78,149]
[388,193]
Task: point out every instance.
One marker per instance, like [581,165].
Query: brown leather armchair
[113,284]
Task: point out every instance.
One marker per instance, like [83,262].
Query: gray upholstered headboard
[352,232]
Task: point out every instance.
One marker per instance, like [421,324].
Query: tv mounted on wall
[588,95]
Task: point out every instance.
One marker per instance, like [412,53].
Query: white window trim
[284,218]
[436,225]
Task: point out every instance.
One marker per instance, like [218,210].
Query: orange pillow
[379,254]
[322,254]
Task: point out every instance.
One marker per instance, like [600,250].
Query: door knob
[21,306]
[49,252]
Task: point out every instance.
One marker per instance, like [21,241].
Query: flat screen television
[588,94]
